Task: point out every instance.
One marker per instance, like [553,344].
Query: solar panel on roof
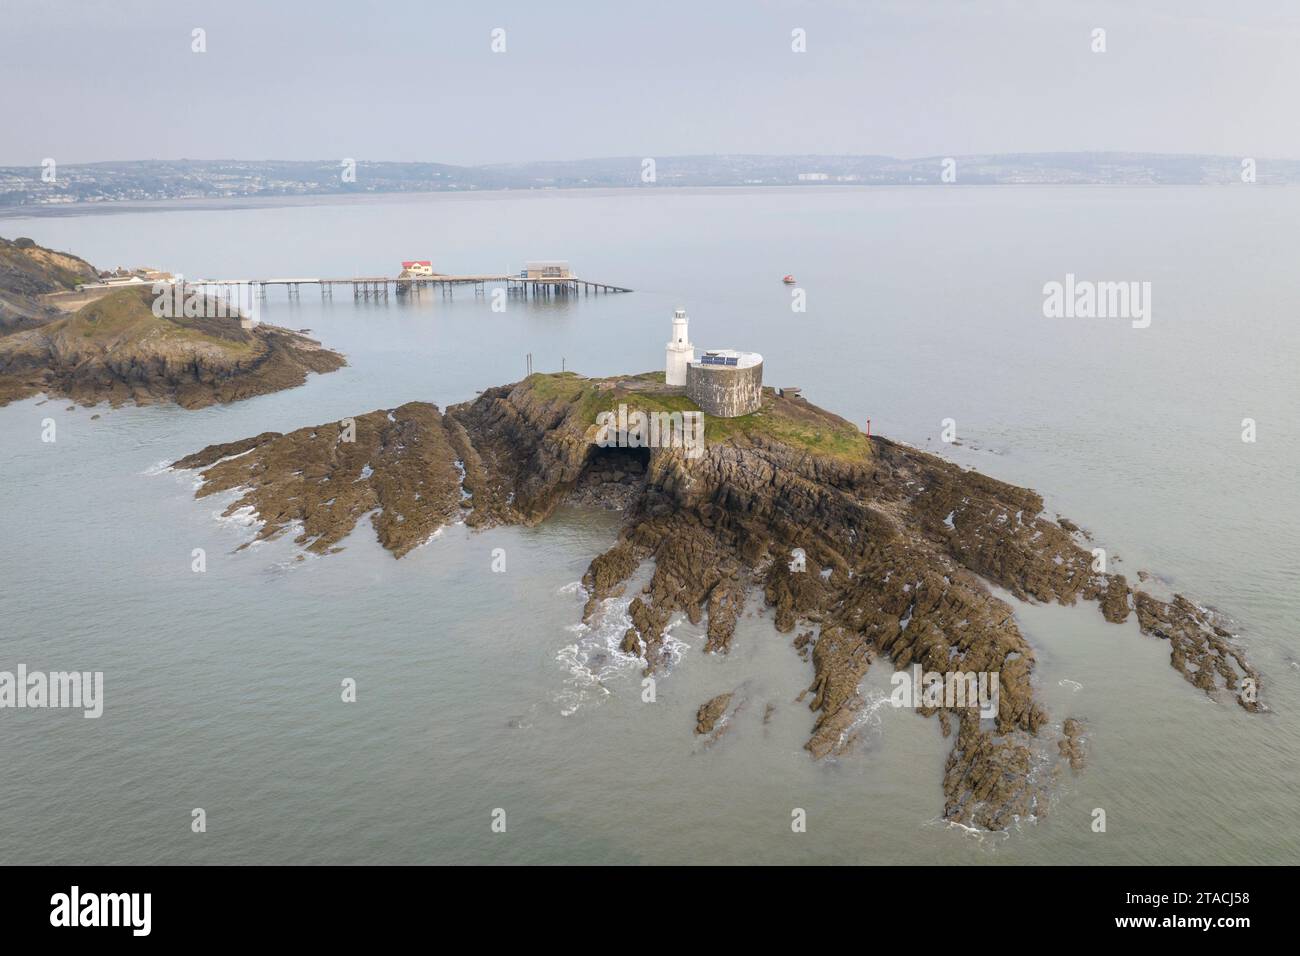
[707,359]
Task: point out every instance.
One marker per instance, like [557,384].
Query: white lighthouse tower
[680,351]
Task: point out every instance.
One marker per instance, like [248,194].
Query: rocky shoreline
[897,548]
[116,350]
[64,334]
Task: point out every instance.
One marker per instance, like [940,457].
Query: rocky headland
[64,333]
[897,550]
[29,275]
[116,350]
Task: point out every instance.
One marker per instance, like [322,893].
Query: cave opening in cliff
[612,477]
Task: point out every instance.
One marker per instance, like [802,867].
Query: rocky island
[114,347]
[897,549]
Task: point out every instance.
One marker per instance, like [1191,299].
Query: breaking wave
[595,656]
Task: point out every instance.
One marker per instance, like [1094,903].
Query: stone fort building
[725,383]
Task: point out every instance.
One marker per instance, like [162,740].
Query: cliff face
[116,350]
[897,549]
[29,272]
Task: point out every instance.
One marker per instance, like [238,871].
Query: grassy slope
[791,422]
[124,318]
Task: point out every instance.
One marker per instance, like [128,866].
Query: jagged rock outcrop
[1073,744]
[710,712]
[398,466]
[895,549]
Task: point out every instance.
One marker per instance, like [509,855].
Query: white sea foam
[460,470]
[245,517]
[433,536]
[978,834]
[869,717]
[595,656]
[300,554]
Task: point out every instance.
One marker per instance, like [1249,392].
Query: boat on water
[788,279]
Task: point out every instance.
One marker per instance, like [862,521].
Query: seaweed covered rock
[873,550]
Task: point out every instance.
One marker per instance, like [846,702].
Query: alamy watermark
[951,689]
[129,910]
[1085,299]
[639,429]
[76,690]
[205,300]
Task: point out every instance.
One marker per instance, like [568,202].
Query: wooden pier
[374,287]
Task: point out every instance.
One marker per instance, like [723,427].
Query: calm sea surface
[479,691]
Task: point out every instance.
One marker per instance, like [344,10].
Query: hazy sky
[87,81]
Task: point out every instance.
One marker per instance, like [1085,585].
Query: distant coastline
[211,183]
[126,206]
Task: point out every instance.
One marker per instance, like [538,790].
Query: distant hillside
[116,350]
[219,179]
[29,271]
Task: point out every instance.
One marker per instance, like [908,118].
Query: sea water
[481,691]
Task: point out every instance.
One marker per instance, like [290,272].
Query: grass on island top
[127,315]
[792,422]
